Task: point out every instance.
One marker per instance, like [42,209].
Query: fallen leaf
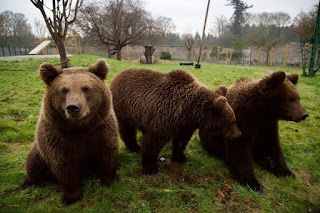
[91,203]
[249,202]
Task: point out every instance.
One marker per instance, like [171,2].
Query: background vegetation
[202,184]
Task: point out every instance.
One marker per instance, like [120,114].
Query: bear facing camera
[76,133]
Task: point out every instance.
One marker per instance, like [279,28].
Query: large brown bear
[167,107]
[76,131]
[258,106]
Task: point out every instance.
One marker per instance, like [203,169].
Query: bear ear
[293,78]
[100,69]
[48,73]
[275,78]
[222,90]
[219,102]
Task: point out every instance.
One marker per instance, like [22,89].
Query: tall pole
[203,32]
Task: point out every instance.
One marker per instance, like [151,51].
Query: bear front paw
[181,158]
[107,181]
[135,149]
[252,184]
[150,170]
[26,184]
[70,198]
[285,173]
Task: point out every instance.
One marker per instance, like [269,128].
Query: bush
[165,55]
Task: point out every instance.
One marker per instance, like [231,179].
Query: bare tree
[117,23]
[189,43]
[15,29]
[164,25]
[264,19]
[4,29]
[64,13]
[281,19]
[220,25]
[40,29]
[305,22]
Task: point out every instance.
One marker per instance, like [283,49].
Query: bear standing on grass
[167,107]
[76,130]
[258,106]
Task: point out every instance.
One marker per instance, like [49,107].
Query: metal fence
[9,50]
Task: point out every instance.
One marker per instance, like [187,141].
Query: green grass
[202,184]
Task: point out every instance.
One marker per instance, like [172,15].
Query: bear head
[74,94]
[282,97]
[220,119]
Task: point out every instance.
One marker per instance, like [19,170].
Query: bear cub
[258,106]
[167,107]
[77,130]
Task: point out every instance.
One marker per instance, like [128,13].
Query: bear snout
[304,115]
[73,109]
[236,133]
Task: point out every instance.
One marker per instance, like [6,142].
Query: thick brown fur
[76,131]
[167,107]
[258,106]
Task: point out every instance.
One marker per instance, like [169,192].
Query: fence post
[230,56]
[207,55]
[218,54]
[250,56]
[285,63]
[259,56]
[271,56]
[3,53]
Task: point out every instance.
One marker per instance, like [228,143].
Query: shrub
[165,55]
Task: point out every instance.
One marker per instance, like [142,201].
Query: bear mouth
[75,116]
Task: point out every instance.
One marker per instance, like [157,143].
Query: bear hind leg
[128,136]
[151,147]
[38,173]
[179,144]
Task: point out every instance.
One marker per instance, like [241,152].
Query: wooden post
[250,56]
[230,56]
[271,55]
[204,29]
[286,55]
[207,55]
[218,54]
[128,56]
[259,56]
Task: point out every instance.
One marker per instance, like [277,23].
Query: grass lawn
[202,184]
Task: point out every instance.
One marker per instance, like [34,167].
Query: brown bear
[76,132]
[258,106]
[167,106]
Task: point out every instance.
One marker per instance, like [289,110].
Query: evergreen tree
[238,15]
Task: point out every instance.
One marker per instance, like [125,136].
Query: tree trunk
[118,49]
[149,50]
[62,52]
[267,59]
[189,55]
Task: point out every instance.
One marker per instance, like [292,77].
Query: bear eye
[85,89]
[64,90]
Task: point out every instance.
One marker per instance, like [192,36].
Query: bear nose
[73,108]
[305,115]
